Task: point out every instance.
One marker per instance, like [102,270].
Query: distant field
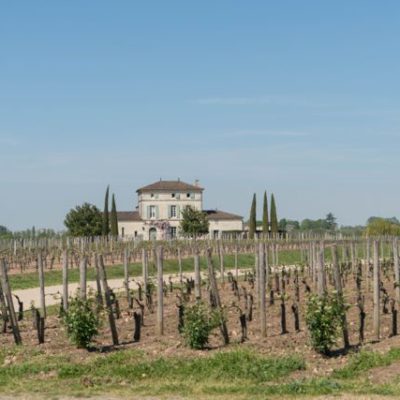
[28,280]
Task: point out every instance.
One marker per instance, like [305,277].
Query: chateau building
[159,212]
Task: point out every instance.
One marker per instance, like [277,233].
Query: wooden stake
[262,288]
[160,292]
[126,277]
[396,269]
[339,290]
[10,305]
[41,286]
[376,290]
[215,294]
[145,272]
[65,279]
[82,274]
[197,275]
[107,293]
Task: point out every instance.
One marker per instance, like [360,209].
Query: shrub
[324,318]
[81,321]
[199,321]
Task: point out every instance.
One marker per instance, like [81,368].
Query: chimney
[196,182]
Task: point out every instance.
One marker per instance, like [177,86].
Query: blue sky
[299,98]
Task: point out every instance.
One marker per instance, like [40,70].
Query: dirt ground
[275,344]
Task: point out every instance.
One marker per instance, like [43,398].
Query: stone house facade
[159,212]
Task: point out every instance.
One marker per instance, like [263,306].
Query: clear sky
[299,98]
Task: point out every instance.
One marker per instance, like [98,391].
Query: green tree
[382,226]
[253,218]
[114,218]
[288,225]
[106,218]
[330,222]
[194,222]
[265,222]
[274,216]
[85,220]
[5,233]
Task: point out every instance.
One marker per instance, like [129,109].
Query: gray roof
[221,215]
[128,216]
[170,186]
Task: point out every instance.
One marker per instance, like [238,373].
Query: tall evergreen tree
[265,222]
[106,219]
[114,218]
[274,217]
[253,220]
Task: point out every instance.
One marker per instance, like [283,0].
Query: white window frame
[173,211]
[152,212]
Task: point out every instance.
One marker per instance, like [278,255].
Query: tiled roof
[170,186]
[221,215]
[128,216]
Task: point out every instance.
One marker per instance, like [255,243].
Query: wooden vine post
[10,305]
[236,263]
[107,295]
[145,269]
[126,276]
[197,275]
[65,279]
[215,295]
[262,288]
[339,290]
[160,292]
[396,269]
[376,283]
[82,275]
[180,266]
[41,285]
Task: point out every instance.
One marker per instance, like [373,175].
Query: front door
[153,234]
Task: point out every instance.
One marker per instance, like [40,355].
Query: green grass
[366,360]
[234,373]
[54,277]
[128,371]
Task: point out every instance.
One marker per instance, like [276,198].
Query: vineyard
[285,317]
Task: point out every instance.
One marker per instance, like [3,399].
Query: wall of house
[218,226]
[131,228]
[164,200]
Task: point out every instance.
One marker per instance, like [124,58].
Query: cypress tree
[265,223]
[252,220]
[113,218]
[274,217]
[106,220]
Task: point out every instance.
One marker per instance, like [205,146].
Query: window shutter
[169,212]
[192,196]
[157,212]
[148,212]
[178,212]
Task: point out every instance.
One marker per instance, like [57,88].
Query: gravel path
[53,293]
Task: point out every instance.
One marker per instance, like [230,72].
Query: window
[173,195]
[188,195]
[173,211]
[122,231]
[135,233]
[152,195]
[172,232]
[152,211]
